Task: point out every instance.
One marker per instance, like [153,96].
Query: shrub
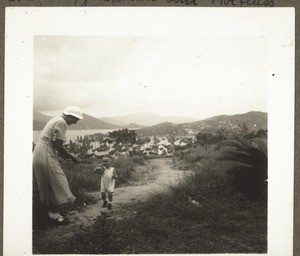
[138,160]
[250,175]
[191,159]
[81,176]
[124,167]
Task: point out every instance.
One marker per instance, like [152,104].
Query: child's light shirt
[107,182]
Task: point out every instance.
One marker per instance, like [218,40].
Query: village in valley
[161,140]
[99,145]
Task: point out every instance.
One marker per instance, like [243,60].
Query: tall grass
[193,158]
[82,179]
[198,215]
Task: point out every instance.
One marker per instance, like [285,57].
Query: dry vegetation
[204,213]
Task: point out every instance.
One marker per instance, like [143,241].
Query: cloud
[190,76]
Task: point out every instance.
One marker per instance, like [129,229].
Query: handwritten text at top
[236,3]
[245,3]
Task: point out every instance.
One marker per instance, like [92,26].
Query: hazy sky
[188,76]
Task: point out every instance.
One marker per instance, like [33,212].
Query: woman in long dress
[53,186]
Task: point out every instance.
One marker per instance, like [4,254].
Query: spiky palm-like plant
[249,177]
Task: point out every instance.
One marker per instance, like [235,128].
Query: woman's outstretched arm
[58,145]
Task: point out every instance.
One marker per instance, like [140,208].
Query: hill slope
[92,123]
[253,120]
[162,129]
[88,123]
[37,116]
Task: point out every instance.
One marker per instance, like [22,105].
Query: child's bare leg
[103,196]
[110,199]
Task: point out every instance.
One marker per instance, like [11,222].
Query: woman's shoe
[60,221]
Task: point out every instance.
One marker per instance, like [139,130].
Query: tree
[261,133]
[155,139]
[123,136]
[201,138]
[143,140]
[222,134]
[243,130]
[208,138]
[171,139]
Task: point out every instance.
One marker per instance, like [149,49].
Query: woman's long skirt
[52,181]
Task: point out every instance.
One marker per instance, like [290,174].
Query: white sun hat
[73,111]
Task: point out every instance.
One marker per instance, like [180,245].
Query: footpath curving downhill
[158,178]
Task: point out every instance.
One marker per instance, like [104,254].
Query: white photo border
[277,25]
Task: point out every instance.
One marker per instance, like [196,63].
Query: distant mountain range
[162,129]
[146,119]
[253,120]
[88,123]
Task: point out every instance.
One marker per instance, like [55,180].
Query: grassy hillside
[199,215]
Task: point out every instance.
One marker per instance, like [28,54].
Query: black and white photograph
[149,130]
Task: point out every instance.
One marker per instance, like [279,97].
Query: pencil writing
[245,3]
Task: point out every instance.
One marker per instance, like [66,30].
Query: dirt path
[160,176]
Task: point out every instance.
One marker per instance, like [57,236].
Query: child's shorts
[108,187]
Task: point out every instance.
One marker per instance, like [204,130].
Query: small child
[108,176]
